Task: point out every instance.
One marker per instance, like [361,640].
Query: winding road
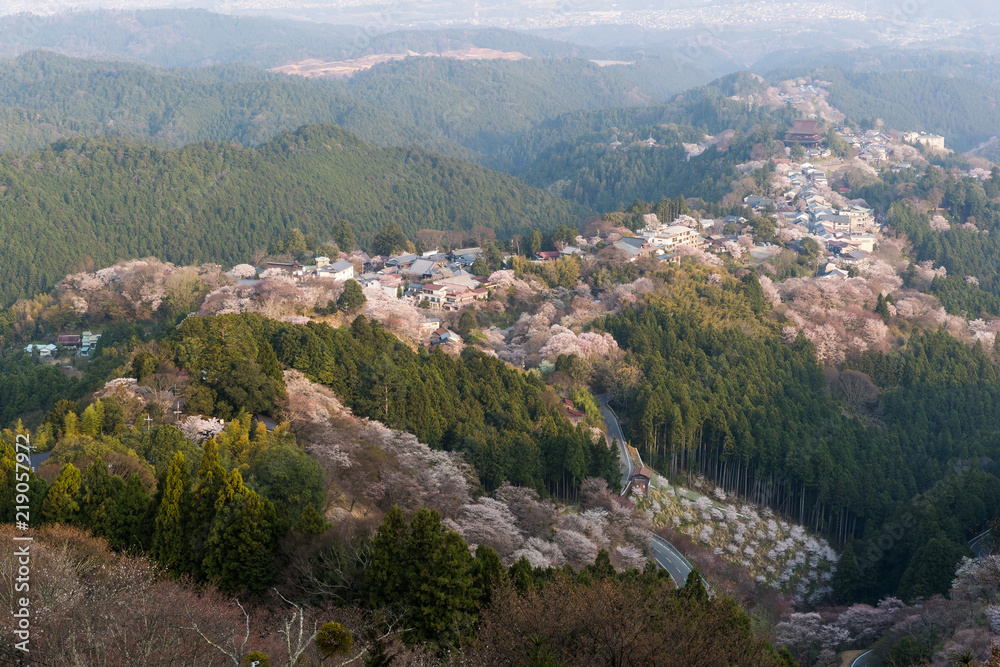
[615,431]
[664,553]
[980,545]
[866,659]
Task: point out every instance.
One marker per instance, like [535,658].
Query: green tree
[534,242]
[352,298]
[882,308]
[931,568]
[343,235]
[601,568]
[294,242]
[389,240]
[328,250]
[810,248]
[208,487]
[60,504]
[385,576]
[426,569]
[442,593]
[256,659]
[763,228]
[754,293]
[310,521]
[98,496]
[489,573]
[91,421]
[847,582]
[171,544]
[466,323]
[836,143]
[479,267]
[334,639]
[238,553]
[127,526]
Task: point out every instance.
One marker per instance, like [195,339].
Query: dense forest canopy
[173,108]
[961,109]
[92,202]
[476,404]
[723,396]
[478,104]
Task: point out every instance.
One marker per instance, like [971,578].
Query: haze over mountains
[546,333]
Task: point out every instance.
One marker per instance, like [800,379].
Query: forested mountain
[95,201]
[964,239]
[983,67]
[479,104]
[971,257]
[689,116]
[477,404]
[964,111]
[174,37]
[576,155]
[196,37]
[723,396]
[452,107]
[50,96]
[437,41]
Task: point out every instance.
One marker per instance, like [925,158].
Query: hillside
[196,37]
[174,108]
[966,112]
[481,104]
[95,201]
[173,37]
[576,153]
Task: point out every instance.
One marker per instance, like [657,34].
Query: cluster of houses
[847,233]
[443,280]
[875,146]
[872,146]
[321,268]
[661,241]
[83,344]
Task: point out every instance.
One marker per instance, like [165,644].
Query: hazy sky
[902,10]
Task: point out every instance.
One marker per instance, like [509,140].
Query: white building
[861,218]
[341,270]
[929,140]
[671,237]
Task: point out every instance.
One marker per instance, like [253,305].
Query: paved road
[615,431]
[670,559]
[866,659]
[980,545]
[665,554]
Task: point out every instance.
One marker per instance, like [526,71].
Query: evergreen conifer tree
[60,504]
[210,483]
[238,552]
[170,544]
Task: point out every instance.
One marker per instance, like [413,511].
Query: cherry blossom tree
[243,271]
